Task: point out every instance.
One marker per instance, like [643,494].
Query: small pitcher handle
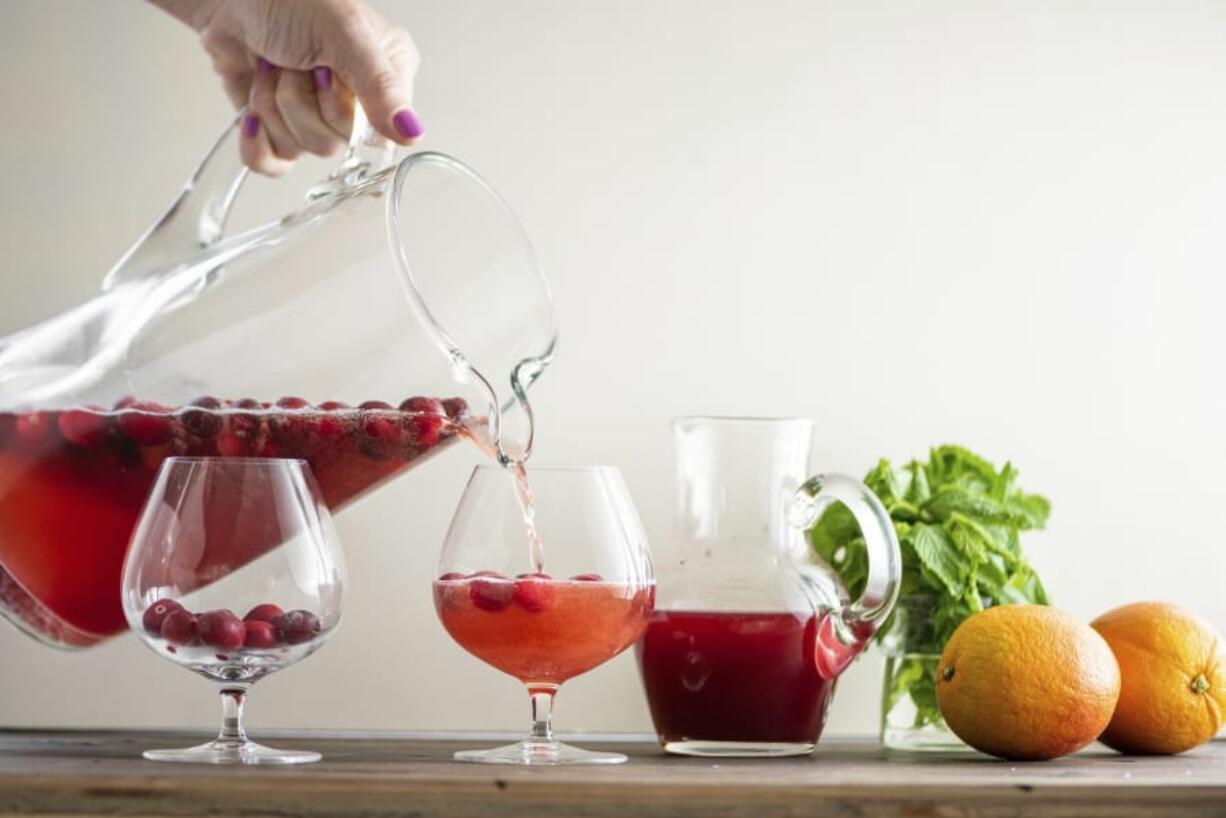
[842,633]
[197,217]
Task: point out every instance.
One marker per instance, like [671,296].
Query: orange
[1026,682]
[1173,668]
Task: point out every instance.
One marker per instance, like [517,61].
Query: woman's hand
[297,65]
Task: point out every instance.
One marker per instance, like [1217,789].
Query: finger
[379,63]
[300,111]
[256,150]
[238,88]
[263,102]
[335,101]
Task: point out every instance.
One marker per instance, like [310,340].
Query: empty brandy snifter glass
[235,571]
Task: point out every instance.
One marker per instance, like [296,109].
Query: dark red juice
[733,677]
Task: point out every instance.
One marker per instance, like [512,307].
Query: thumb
[379,62]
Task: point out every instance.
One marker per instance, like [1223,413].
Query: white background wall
[984,222]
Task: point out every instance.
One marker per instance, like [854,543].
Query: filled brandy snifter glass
[544,583]
[235,571]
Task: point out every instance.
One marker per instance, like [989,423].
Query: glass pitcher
[398,309]
[750,631]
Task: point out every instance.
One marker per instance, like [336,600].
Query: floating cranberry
[222,630]
[35,427]
[330,428]
[587,578]
[426,430]
[490,592]
[535,592]
[292,403]
[230,444]
[180,627]
[297,627]
[243,426]
[332,406]
[83,427]
[379,428]
[423,406]
[266,612]
[203,421]
[260,634]
[456,408]
[149,424]
[156,614]
[451,576]
[125,402]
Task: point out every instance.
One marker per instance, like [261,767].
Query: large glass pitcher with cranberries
[750,630]
[398,309]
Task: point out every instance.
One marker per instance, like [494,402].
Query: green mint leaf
[939,556]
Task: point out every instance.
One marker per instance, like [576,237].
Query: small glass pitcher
[750,629]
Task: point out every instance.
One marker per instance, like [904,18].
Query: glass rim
[243,461]
[494,467]
[763,420]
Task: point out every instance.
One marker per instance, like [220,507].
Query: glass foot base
[538,752]
[738,749]
[233,752]
[930,739]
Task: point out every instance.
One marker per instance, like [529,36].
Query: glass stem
[542,712]
[232,731]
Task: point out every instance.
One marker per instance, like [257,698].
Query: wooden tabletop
[66,773]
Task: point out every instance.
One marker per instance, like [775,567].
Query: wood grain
[64,773]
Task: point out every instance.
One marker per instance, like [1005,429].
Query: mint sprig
[958,520]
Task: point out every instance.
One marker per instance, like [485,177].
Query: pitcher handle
[197,217]
[842,633]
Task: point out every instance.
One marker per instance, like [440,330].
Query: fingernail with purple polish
[264,66]
[407,124]
[251,125]
[323,78]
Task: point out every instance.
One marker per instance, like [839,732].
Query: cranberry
[426,429]
[34,427]
[124,402]
[330,428]
[297,627]
[332,405]
[260,634]
[204,421]
[149,424]
[423,406]
[222,630]
[451,576]
[249,403]
[292,403]
[7,421]
[490,592]
[587,578]
[455,408]
[266,612]
[379,428]
[156,614]
[179,627]
[535,592]
[84,427]
[231,445]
